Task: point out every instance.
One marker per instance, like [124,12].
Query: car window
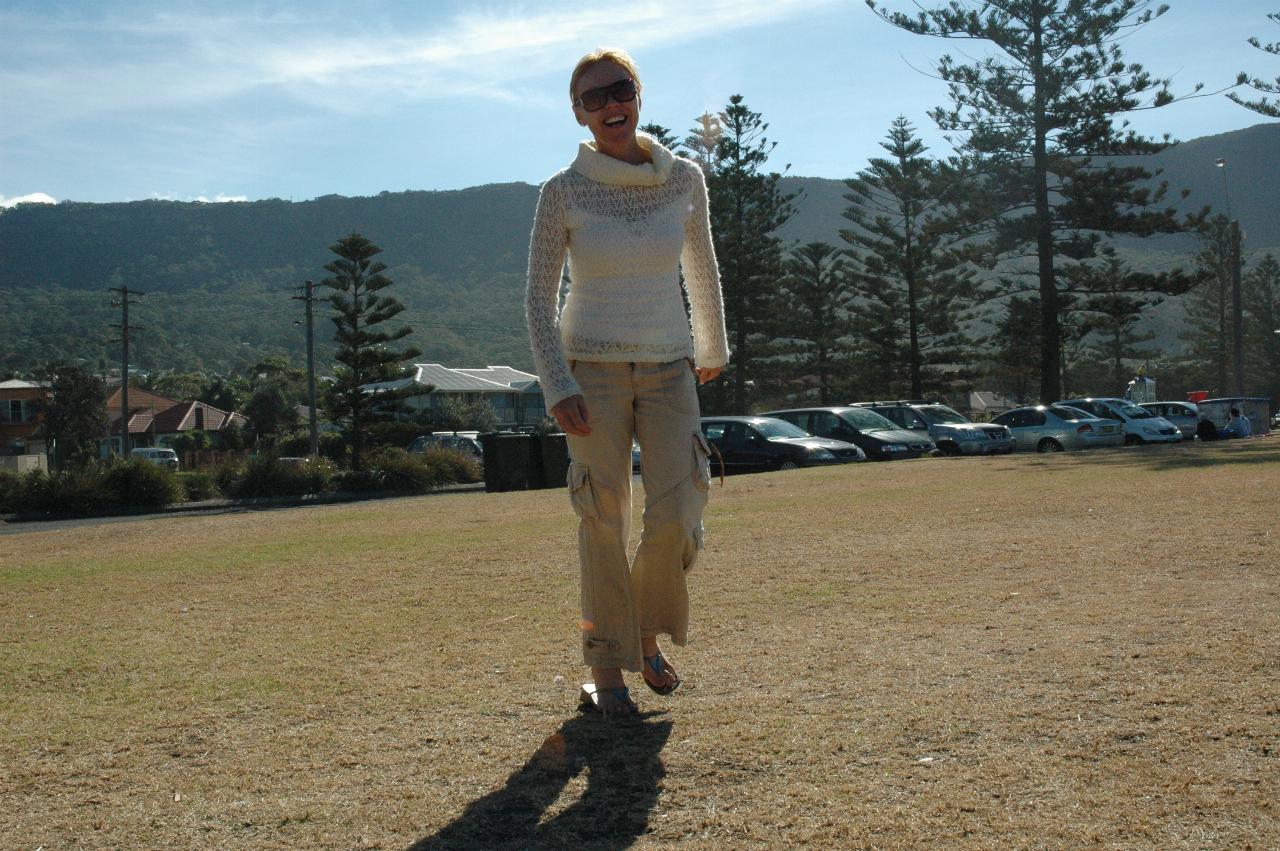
[1035,418]
[894,415]
[714,431]
[866,420]
[941,414]
[1070,413]
[1131,411]
[1010,419]
[912,420]
[778,428]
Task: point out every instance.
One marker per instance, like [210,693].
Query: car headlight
[973,433]
[822,455]
[894,447]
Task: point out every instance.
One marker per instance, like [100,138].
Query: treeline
[1013,232]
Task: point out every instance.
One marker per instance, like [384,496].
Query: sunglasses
[594,100]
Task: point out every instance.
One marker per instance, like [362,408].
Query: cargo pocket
[701,462]
[581,493]
[693,500]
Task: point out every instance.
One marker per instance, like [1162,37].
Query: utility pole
[1237,308]
[124,303]
[309,299]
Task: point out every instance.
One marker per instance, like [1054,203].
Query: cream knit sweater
[628,231]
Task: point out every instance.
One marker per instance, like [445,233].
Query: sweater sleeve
[702,280]
[547,247]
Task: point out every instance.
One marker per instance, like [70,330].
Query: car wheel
[1133,440]
[949,449]
[788,465]
[1048,445]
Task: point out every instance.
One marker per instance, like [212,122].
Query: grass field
[1076,650]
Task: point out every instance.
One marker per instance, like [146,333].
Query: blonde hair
[616,55]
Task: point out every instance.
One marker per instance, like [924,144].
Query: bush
[138,484]
[198,486]
[10,491]
[359,481]
[403,472]
[225,476]
[452,465]
[267,475]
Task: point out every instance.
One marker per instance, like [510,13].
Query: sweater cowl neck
[603,168]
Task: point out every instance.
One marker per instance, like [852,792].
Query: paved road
[201,509]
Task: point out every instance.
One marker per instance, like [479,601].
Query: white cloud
[203,199]
[173,60]
[33,198]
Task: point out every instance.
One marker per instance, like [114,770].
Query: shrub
[198,486]
[403,472]
[226,475]
[10,491]
[137,484]
[79,491]
[267,475]
[359,481]
[452,465]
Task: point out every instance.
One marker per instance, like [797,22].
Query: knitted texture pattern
[628,230]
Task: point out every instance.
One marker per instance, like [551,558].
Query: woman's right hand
[571,414]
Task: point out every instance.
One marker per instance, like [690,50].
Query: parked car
[461,441]
[756,444]
[155,455]
[947,428]
[1185,415]
[1140,426]
[1053,428]
[879,438]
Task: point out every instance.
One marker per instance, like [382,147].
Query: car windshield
[942,414]
[1132,411]
[778,428]
[864,420]
[1069,414]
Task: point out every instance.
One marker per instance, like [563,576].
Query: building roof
[139,398]
[490,379]
[140,421]
[19,384]
[186,416]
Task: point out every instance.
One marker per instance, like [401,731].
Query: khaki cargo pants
[624,598]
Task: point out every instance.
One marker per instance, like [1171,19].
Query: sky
[226,101]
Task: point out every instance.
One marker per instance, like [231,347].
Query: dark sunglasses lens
[622,91]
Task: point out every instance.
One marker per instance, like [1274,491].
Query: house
[516,397]
[154,420]
[21,427]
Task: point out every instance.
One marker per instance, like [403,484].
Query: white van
[1140,425]
[155,455]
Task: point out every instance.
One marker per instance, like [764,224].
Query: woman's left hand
[707,373]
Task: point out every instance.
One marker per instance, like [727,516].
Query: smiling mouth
[615,121]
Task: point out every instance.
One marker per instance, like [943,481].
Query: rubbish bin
[510,461]
[553,454]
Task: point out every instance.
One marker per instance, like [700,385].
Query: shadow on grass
[623,770]
[1176,457]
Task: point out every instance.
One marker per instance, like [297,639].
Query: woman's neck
[630,151]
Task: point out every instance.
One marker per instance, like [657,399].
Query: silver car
[1184,415]
[1053,428]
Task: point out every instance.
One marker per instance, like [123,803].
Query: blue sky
[112,101]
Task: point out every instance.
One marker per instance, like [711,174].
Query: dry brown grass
[1032,652]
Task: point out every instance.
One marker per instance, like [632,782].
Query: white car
[155,455]
[1140,425]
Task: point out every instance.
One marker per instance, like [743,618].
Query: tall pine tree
[1263,105]
[1208,330]
[906,227]
[364,352]
[815,285]
[1262,321]
[747,207]
[1038,120]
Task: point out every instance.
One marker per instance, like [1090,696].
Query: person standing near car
[620,361]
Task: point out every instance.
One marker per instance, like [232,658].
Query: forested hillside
[219,278]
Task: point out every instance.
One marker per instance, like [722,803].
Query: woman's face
[616,123]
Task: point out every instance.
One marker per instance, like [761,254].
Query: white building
[515,396]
